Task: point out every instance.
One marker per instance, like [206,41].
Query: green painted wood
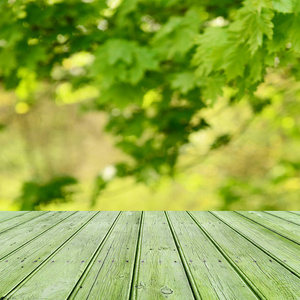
[270,279]
[278,247]
[6,215]
[110,276]
[159,255]
[91,255]
[212,274]
[284,215]
[282,227]
[19,220]
[70,262]
[19,236]
[23,262]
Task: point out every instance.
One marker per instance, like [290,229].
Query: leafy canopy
[151,65]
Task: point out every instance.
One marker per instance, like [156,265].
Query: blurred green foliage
[35,194]
[156,69]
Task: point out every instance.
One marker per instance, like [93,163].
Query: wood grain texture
[149,255]
[282,227]
[110,277]
[20,264]
[6,215]
[287,216]
[212,274]
[269,278]
[19,220]
[69,262]
[278,247]
[19,236]
[161,273]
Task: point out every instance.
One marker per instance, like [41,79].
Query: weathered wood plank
[19,220]
[287,216]
[160,270]
[278,247]
[6,215]
[90,255]
[110,276]
[270,278]
[282,227]
[212,274]
[70,262]
[20,235]
[23,262]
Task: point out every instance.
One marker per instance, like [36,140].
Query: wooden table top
[150,255]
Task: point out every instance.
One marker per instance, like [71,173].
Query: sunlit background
[254,164]
[258,169]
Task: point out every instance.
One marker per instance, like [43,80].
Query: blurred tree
[152,66]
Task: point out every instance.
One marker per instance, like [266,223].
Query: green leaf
[294,33]
[280,38]
[237,57]
[258,26]
[33,55]
[122,95]
[128,63]
[177,36]
[258,104]
[212,44]
[213,88]
[34,193]
[8,61]
[296,7]
[144,60]
[256,67]
[127,6]
[184,82]
[252,25]
[283,6]
[119,50]
[221,141]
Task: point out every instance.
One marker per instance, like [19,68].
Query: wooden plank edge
[33,272]
[235,267]
[297,213]
[35,237]
[136,268]
[22,214]
[267,227]
[266,212]
[294,272]
[188,273]
[9,228]
[78,284]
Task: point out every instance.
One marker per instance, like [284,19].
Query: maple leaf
[252,26]
[213,88]
[210,51]
[119,50]
[184,81]
[237,57]
[256,66]
[144,59]
[294,33]
[7,61]
[176,37]
[284,6]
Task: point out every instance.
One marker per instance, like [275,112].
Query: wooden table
[150,255]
